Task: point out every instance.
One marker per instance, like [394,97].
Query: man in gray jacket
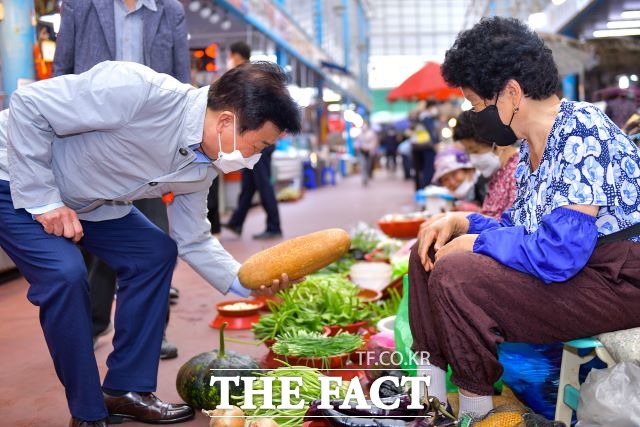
[74,152]
[149,32]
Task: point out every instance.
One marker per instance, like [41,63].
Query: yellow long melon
[297,257]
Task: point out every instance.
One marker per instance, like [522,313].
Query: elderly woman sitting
[564,262]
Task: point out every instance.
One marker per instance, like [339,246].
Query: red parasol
[426,83]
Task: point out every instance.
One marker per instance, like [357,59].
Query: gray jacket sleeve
[181,56]
[64,58]
[191,230]
[105,97]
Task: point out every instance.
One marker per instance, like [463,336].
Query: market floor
[30,393]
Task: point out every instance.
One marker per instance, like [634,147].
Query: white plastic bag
[611,397]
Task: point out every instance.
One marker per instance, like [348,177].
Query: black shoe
[232,228]
[268,235]
[168,350]
[145,408]
[79,423]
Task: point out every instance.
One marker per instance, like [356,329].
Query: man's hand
[276,286]
[463,243]
[62,221]
[438,233]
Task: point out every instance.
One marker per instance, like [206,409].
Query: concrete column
[17,38]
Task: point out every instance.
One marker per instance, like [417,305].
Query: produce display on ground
[309,392]
[314,344]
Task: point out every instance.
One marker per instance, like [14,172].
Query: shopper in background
[494,163]
[74,151]
[453,170]
[404,149]
[423,154]
[366,145]
[149,32]
[390,146]
[563,262]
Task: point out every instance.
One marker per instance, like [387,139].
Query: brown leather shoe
[77,423]
[146,408]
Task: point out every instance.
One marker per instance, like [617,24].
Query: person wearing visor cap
[75,151]
[453,170]
[562,263]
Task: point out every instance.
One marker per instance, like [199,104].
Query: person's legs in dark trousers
[262,182]
[213,206]
[248,189]
[102,288]
[428,156]
[142,256]
[418,166]
[406,166]
[144,263]
[57,278]
[470,303]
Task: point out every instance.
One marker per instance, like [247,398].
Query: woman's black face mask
[488,125]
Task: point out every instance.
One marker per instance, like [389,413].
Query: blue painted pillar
[570,87]
[346,32]
[318,20]
[349,141]
[282,57]
[17,37]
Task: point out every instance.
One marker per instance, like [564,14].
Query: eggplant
[339,419]
[400,411]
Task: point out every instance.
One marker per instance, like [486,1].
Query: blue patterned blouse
[587,161]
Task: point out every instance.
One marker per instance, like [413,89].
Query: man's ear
[225,119]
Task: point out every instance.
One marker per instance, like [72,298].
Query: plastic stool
[310,178]
[332,176]
[569,386]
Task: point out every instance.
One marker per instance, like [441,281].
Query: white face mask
[464,190]
[229,162]
[487,164]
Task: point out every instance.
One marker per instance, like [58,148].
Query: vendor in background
[455,172]
[497,164]
[563,262]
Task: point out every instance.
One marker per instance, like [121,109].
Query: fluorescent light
[452,122]
[623,24]
[617,33]
[557,2]
[446,133]
[623,82]
[630,14]
[537,20]
[634,77]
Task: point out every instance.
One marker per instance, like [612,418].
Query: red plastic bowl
[240,313]
[352,328]
[401,229]
[330,362]
[369,295]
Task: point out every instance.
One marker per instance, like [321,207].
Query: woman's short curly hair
[495,50]
[464,129]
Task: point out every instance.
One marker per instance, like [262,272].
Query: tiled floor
[30,393]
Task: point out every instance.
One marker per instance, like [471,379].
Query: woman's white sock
[478,406]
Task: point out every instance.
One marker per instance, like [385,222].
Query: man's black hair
[496,50]
[242,49]
[464,129]
[256,93]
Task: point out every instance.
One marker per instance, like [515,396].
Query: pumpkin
[195,375]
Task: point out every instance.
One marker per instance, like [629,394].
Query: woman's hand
[277,286]
[463,243]
[438,233]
